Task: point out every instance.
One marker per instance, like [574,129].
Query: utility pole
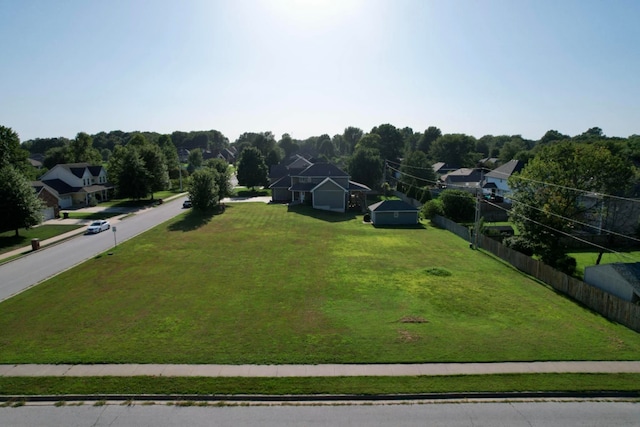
[476,222]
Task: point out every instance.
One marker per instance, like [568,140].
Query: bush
[566,264]
[459,205]
[425,196]
[519,244]
[432,208]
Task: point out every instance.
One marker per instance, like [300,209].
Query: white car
[98,226]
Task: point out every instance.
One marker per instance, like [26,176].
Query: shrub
[519,244]
[459,205]
[432,208]
[566,264]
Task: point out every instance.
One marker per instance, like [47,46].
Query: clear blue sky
[308,67]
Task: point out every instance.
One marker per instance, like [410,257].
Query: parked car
[186,204]
[98,226]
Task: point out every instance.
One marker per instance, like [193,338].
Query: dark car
[186,204]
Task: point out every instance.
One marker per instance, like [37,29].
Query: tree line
[142,163]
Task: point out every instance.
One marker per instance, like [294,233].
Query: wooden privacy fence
[602,302]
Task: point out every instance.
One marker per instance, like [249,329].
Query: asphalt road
[458,414]
[31,269]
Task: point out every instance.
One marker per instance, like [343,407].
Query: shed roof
[392,206]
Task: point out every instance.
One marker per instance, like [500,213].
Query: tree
[252,169]
[195,159]
[458,205]
[417,173]
[288,145]
[156,167]
[409,139]
[371,141]
[326,148]
[133,177]
[10,151]
[351,136]
[510,149]
[551,136]
[20,207]
[453,149]
[203,190]
[273,157]
[431,134]
[555,191]
[170,155]
[366,167]
[391,141]
[81,150]
[265,142]
[223,177]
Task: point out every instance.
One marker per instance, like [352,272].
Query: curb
[320,398]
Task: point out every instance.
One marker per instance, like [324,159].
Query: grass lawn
[318,385]
[587,259]
[9,242]
[92,215]
[141,202]
[267,284]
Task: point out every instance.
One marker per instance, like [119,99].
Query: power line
[506,175]
[620,254]
[575,221]
[529,219]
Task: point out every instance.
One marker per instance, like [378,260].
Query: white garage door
[48,213]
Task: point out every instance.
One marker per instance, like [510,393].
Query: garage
[393,212]
[48,213]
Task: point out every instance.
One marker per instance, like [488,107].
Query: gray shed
[619,279]
[393,212]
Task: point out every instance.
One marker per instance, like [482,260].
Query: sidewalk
[330,370]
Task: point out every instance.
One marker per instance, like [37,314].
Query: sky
[309,67]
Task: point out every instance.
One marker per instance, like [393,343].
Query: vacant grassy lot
[9,242]
[264,284]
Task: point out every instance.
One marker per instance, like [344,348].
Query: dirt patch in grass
[437,271]
[413,319]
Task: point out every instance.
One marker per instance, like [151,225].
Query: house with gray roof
[322,185]
[619,279]
[393,212]
[467,179]
[495,182]
[77,184]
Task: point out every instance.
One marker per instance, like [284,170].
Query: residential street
[37,266]
[430,413]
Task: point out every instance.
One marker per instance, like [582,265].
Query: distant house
[442,168]
[463,179]
[77,184]
[393,212]
[322,185]
[280,177]
[228,154]
[51,207]
[495,182]
[619,279]
[183,155]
